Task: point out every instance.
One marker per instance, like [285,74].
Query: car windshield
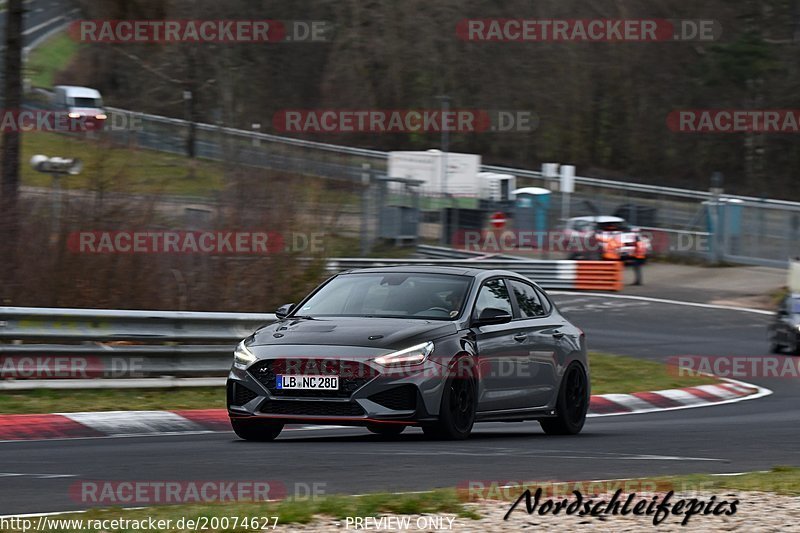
[581,225]
[86,102]
[613,226]
[393,295]
[794,306]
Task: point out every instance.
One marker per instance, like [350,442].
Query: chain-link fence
[682,222]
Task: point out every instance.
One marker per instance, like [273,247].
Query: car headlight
[242,357]
[74,115]
[416,355]
[101,116]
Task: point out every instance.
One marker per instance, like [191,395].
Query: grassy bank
[783,480]
[48,59]
[121,169]
[620,374]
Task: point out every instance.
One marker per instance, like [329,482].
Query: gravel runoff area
[756,512]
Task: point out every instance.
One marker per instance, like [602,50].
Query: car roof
[435,269]
[415,269]
[600,219]
[79,92]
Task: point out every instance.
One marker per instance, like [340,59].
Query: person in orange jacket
[610,247]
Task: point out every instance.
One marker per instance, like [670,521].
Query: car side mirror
[492,316]
[283,311]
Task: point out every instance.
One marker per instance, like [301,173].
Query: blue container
[531,209]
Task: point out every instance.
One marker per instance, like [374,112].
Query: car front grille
[311,408]
[352,376]
[402,398]
[240,395]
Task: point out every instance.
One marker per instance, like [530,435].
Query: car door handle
[558,335]
[520,337]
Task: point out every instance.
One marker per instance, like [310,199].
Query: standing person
[639,257]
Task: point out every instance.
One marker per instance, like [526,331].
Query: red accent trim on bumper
[352,419]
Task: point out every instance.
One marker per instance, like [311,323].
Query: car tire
[572,404]
[259,431]
[774,345]
[386,430]
[458,408]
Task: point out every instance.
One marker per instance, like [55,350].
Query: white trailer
[497,187]
[462,171]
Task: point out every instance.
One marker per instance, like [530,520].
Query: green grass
[780,480]
[118,168]
[49,401]
[784,480]
[114,168]
[52,56]
[610,374]
[300,511]
[620,374]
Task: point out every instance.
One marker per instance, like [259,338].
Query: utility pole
[445,139]
[12,101]
[366,181]
[188,98]
[445,239]
[715,206]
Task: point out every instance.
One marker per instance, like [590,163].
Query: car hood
[378,333]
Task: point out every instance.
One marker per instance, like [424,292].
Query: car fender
[578,354]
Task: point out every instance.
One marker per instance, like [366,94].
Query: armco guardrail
[54,346]
[564,275]
[42,343]
[441,252]
[25,324]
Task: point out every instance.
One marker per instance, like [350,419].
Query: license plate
[307,382]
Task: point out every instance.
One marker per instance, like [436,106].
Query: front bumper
[368,393]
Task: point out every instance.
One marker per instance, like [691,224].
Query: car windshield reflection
[396,295]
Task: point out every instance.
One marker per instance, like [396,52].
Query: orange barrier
[599,275]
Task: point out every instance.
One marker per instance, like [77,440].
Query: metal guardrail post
[366,186]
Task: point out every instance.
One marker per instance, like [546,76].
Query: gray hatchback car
[388,348]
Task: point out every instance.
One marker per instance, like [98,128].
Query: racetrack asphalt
[744,436]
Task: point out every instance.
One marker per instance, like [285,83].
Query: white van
[80,102]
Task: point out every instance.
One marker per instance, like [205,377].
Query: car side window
[548,306]
[493,294]
[528,299]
